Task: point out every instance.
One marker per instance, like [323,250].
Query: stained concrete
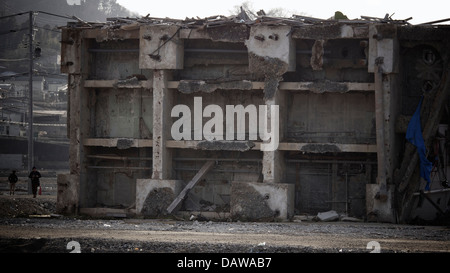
[192,86]
[120,101]
[262,201]
[67,197]
[241,146]
[153,196]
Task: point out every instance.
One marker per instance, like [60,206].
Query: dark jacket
[12,178]
[35,175]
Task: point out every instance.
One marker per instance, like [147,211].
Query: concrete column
[273,161]
[380,135]
[273,166]
[73,122]
[162,103]
[78,123]
[271,54]
[383,62]
[386,108]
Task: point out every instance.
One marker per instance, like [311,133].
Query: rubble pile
[242,18]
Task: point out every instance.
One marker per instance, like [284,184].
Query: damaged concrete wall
[122,113]
[340,88]
[213,192]
[329,118]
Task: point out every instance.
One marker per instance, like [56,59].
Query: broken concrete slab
[271,45]
[124,143]
[379,210]
[153,196]
[351,219]
[192,86]
[161,47]
[253,201]
[328,86]
[328,216]
[224,145]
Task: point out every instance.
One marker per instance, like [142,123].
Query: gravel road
[26,227]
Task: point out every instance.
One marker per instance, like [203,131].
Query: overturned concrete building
[147,136]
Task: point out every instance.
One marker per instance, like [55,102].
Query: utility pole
[30,94]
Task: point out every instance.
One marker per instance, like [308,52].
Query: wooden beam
[198,176]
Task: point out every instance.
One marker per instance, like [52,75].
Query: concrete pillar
[68,194]
[162,102]
[78,123]
[383,62]
[160,47]
[273,161]
[73,122]
[271,54]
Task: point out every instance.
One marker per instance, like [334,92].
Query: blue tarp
[414,135]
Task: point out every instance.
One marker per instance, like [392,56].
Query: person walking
[35,183]
[12,182]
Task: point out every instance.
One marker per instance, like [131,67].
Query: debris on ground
[24,206]
[328,216]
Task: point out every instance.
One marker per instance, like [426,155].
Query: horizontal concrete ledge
[108,212]
[300,86]
[287,146]
[131,31]
[118,142]
[188,215]
[327,147]
[132,84]
[194,144]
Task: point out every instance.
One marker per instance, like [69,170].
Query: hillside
[48,16]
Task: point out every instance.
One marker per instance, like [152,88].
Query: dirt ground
[29,225]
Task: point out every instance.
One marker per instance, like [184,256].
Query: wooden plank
[198,176]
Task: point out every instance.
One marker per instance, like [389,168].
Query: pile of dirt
[12,206]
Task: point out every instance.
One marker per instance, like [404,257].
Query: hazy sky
[421,10]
